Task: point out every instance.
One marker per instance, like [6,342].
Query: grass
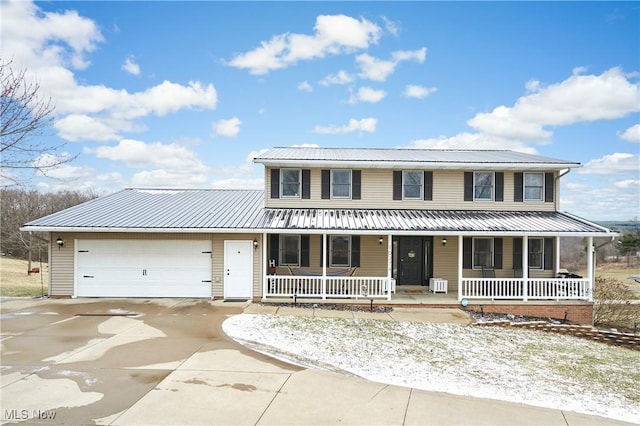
[15,282]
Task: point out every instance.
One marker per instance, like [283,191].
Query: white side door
[238,269]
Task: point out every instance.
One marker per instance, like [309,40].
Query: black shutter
[304,251]
[468,186]
[397,185]
[356,184]
[499,186]
[497,253]
[517,253]
[355,250]
[428,186]
[326,184]
[275,183]
[274,247]
[467,254]
[548,253]
[548,187]
[517,187]
[306,184]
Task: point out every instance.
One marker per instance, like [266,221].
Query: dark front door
[410,253]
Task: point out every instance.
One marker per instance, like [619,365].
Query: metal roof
[142,210]
[393,158]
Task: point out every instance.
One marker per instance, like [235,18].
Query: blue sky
[184,94]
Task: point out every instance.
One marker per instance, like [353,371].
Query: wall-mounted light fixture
[444,241]
[60,243]
[380,240]
[255,244]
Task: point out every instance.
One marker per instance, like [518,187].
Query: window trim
[350,184]
[420,196]
[540,253]
[491,252]
[282,183]
[281,249]
[493,186]
[349,248]
[525,186]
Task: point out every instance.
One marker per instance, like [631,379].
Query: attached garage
[142,268]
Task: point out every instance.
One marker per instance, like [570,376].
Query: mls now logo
[16,414]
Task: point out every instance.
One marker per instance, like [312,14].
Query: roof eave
[432,165]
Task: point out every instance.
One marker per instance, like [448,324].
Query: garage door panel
[143,268]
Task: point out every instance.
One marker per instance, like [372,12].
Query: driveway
[166,361]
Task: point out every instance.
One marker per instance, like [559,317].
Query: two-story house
[476,226]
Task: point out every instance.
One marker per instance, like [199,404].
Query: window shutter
[326,184]
[397,185]
[548,253]
[517,187]
[467,255]
[499,186]
[304,251]
[548,187]
[356,184]
[355,250]
[517,253]
[497,253]
[468,186]
[274,247]
[428,186]
[275,183]
[306,184]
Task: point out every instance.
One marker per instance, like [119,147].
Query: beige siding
[217,270]
[377,193]
[61,266]
[445,261]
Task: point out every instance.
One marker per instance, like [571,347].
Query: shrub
[614,304]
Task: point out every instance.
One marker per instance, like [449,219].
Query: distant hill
[624,227]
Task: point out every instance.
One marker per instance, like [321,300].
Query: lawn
[15,282]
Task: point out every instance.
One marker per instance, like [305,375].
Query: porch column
[525,267]
[389,265]
[557,253]
[324,266]
[265,266]
[459,267]
[590,267]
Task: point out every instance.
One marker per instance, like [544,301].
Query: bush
[614,305]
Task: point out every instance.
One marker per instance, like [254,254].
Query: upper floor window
[536,253]
[483,186]
[482,252]
[290,250]
[340,183]
[412,185]
[340,249]
[533,186]
[290,183]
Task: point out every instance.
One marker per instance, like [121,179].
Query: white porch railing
[333,287]
[531,288]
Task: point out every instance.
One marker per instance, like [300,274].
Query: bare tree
[24,115]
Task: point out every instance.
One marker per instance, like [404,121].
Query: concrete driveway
[166,361]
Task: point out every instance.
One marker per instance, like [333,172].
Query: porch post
[525,267]
[557,253]
[265,265]
[389,265]
[324,266]
[590,267]
[460,267]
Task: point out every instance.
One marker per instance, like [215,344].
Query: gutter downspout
[557,200]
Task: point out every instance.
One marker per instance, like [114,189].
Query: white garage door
[149,268]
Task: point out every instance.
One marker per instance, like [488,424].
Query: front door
[411,261]
[238,269]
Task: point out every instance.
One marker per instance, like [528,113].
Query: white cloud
[418,92]
[628,183]
[391,27]
[632,134]
[341,77]
[228,128]
[363,125]
[379,70]
[334,34]
[130,66]
[174,178]
[471,141]
[305,87]
[579,98]
[74,127]
[367,94]
[238,183]
[616,163]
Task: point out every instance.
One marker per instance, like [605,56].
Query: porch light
[255,244]
[444,241]
[60,243]
[380,240]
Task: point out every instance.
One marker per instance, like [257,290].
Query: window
[340,248]
[290,183]
[533,186]
[536,252]
[482,252]
[412,185]
[340,183]
[290,250]
[483,186]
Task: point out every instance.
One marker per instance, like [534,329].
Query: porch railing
[531,288]
[329,287]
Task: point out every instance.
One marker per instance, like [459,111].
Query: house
[476,227]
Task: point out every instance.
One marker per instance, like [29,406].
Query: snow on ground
[515,365]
